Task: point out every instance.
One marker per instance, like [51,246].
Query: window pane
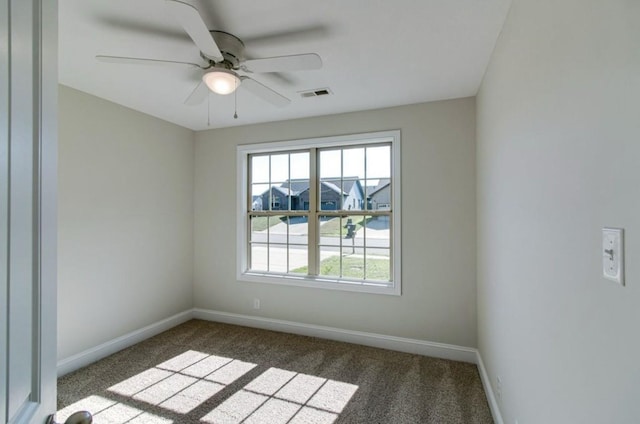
[331,230]
[278,235]
[298,229]
[353,197]
[279,199]
[278,229]
[379,194]
[377,231]
[298,241]
[259,225]
[260,169]
[277,258]
[330,262]
[353,163]
[352,263]
[330,164]
[378,264]
[369,187]
[353,228]
[300,166]
[298,259]
[303,198]
[379,162]
[259,197]
[258,257]
[330,195]
[298,191]
[279,168]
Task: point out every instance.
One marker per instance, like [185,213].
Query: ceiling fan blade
[190,19]
[290,35]
[264,92]
[125,23]
[198,94]
[296,62]
[144,61]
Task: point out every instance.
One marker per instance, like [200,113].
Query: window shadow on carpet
[183,383]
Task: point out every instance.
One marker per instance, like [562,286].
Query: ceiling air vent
[315,93]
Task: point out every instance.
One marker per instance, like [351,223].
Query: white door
[28,155]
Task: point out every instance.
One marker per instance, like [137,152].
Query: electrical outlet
[498,388]
[256,303]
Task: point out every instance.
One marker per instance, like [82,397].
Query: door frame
[38,59]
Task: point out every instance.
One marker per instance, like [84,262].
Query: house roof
[347,183]
[383,182]
[283,190]
[380,187]
[332,186]
[297,186]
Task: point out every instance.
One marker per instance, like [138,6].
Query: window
[321,212]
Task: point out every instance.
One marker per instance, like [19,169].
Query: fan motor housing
[231,47]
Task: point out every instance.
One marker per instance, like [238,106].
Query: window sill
[321,283]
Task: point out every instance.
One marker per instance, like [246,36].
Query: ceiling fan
[223,54]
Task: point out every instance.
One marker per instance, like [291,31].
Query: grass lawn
[352,267]
[261,223]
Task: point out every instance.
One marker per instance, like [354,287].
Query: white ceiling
[376,53]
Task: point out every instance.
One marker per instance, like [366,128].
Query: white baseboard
[488,389]
[420,347]
[89,356]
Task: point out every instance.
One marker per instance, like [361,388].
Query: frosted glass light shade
[221,81]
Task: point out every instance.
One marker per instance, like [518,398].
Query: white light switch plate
[613,254]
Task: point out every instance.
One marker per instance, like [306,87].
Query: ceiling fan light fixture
[221,81]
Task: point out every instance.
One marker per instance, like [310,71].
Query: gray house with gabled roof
[332,196]
[380,196]
[277,197]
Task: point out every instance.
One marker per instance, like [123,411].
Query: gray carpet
[203,372]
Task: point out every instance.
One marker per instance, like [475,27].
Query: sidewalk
[301,230]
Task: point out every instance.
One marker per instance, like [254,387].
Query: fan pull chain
[235,99]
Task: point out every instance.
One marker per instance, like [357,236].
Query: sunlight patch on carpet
[230,372]
[235,409]
[281,396]
[138,383]
[270,381]
[182,361]
[333,396]
[186,381]
[183,382]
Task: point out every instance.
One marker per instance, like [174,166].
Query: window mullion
[313,249]
[269,218]
[247,224]
[391,244]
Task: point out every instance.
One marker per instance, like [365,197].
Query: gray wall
[438,239]
[558,159]
[125,218]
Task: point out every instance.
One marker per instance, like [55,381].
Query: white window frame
[245,275]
